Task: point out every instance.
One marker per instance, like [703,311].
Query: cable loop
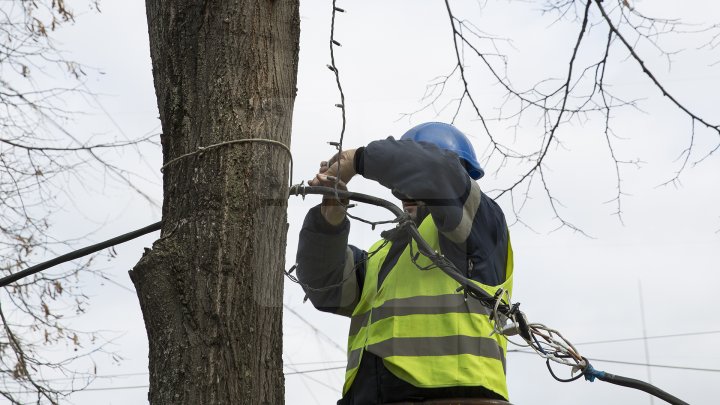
[201,149]
[306,287]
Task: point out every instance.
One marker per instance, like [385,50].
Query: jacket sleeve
[331,271]
[422,171]
[473,230]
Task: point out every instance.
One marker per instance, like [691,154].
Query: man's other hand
[332,209]
[341,165]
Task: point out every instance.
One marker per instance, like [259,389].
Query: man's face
[411,207]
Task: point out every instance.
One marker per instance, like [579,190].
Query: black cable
[302,190]
[552,373]
[80,253]
[591,374]
[642,386]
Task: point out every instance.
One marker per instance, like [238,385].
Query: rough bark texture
[211,288]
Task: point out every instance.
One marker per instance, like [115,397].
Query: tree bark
[211,288]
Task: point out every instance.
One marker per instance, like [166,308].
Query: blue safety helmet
[446,136]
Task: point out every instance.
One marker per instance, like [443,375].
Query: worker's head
[446,136]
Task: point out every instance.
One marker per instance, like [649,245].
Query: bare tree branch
[579,97]
[40,158]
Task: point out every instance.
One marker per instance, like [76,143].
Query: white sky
[586,288]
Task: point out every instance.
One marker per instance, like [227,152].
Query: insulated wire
[307,387]
[139,374]
[297,372]
[315,370]
[595,342]
[316,330]
[711,370]
[76,254]
[301,372]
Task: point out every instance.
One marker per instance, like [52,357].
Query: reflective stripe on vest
[426,333]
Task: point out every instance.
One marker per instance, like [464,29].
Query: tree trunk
[211,288]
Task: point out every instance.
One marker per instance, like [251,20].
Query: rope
[202,149]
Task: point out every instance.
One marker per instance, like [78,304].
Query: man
[412,336]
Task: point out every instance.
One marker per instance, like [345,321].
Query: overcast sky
[586,287]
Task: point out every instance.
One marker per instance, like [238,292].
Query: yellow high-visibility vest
[427,334]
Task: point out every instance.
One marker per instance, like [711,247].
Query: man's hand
[332,209]
[341,165]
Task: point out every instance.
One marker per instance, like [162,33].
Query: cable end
[591,374]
